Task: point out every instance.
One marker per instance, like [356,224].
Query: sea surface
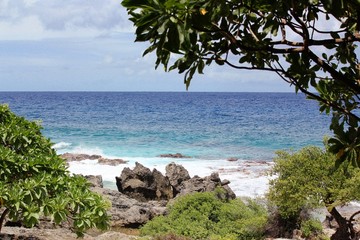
[208,127]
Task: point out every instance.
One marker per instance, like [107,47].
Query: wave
[61,145]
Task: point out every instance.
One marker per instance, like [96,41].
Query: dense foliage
[311,44]
[308,179]
[204,216]
[34,180]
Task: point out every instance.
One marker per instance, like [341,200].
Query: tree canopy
[310,44]
[35,182]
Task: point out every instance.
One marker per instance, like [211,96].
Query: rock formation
[176,175]
[171,155]
[71,157]
[143,184]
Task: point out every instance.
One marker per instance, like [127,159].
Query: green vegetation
[311,228]
[35,181]
[310,44]
[309,179]
[204,216]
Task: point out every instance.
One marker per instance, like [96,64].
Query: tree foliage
[35,182]
[311,44]
[308,179]
[204,216]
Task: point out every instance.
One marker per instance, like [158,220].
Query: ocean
[210,128]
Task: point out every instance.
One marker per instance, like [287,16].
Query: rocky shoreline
[142,194]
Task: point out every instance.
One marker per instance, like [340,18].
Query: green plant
[204,216]
[311,228]
[309,178]
[35,181]
[310,44]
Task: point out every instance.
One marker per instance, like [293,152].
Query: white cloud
[31,19]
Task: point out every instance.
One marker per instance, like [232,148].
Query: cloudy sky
[77,45]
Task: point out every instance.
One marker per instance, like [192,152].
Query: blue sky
[77,45]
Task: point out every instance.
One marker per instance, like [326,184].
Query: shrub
[310,178]
[311,228]
[204,216]
[35,180]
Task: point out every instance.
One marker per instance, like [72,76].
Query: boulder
[128,212]
[95,180]
[143,184]
[176,174]
[232,159]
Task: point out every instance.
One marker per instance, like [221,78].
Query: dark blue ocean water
[248,126]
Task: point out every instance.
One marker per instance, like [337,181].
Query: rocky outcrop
[95,180]
[128,212]
[207,184]
[176,174]
[71,157]
[176,155]
[111,162]
[143,184]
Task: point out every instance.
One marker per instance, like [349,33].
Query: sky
[78,45]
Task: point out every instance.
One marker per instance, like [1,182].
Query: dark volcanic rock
[176,174]
[143,184]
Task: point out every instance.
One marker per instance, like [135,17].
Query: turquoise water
[249,126]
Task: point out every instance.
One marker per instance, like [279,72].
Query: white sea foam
[247,178]
[61,145]
[87,150]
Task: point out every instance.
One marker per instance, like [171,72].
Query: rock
[207,184]
[115,236]
[95,180]
[232,159]
[144,185]
[164,190]
[176,174]
[176,155]
[17,233]
[78,157]
[111,162]
[128,212]
[225,182]
[70,157]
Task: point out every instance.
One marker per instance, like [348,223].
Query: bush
[311,228]
[310,178]
[35,181]
[204,216]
